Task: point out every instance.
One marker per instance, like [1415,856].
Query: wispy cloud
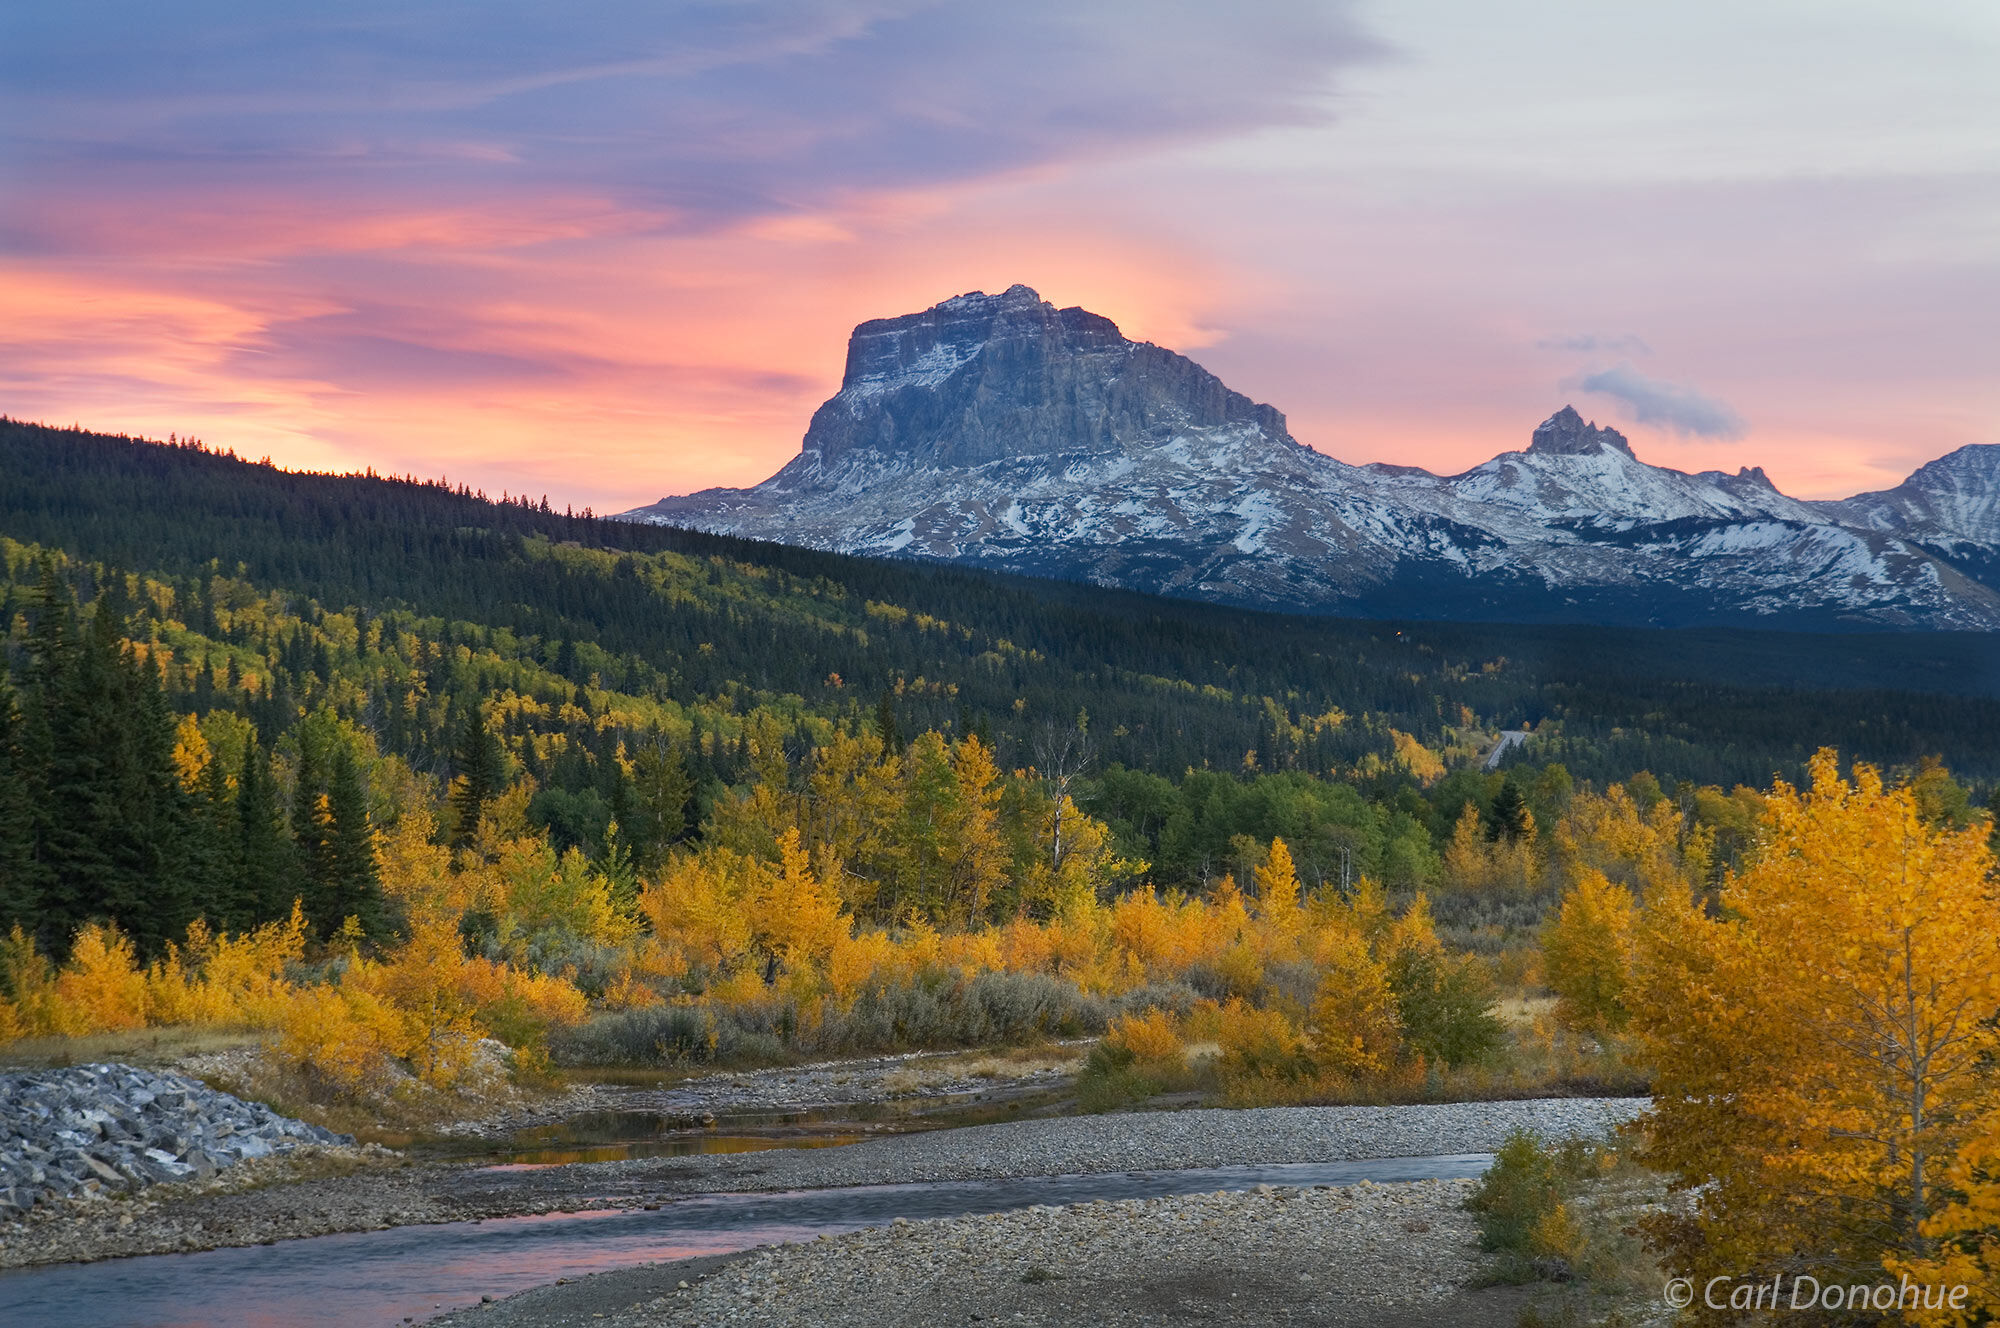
[1651,401]
[1589,343]
[706,112]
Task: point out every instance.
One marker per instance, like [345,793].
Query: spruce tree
[165,877]
[267,872]
[19,897]
[885,726]
[312,828]
[354,883]
[1510,818]
[82,817]
[481,768]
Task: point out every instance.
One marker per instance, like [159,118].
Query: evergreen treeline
[97,820]
[315,646]
[1168,685]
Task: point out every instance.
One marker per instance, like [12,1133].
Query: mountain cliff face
[1002,431]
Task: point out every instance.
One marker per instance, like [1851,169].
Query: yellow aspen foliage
[1425,766]
[247,972]
[1230,916]
[1467,864]
[856,959]
[1366,912]
[100,989]
[1414,931]
[1153,1038]
[1964,1233]
[978,864]
[1823,1048]
[425,981]
[793,916]
[696,907]
[1587,954]
[29,982]
[1609,833]
[1261,1045]
[416,871]
[191,752]
[342,1033]
[1355,1029]
[1278,891]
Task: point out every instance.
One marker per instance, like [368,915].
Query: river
[383,1277]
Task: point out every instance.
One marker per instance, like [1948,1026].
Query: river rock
[89,1130]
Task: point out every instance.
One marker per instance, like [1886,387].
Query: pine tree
[885,725]
[1510,818]
[19,897]
[660,791]
[481,771]
[312,829]
[353,887]
[266,867]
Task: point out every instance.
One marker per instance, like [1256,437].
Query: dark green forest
[625,669]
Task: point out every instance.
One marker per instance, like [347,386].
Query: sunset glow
[617,254]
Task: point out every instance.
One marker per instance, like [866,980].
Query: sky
[611,249]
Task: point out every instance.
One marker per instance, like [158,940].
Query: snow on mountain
[1001,431]
[1950,502]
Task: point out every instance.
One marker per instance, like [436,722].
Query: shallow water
[612,1136]
[379,1277]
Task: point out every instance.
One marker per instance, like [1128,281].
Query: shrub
[1445,1006]
[651,1035]
[1520,1201]
[1152,1036]
[101,989]
[1261,1044]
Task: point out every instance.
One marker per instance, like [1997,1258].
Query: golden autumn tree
[1587,954]
[794,916]
[1356,1031]
[1823,1048]
[1278,892]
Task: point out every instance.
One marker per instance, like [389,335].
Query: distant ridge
[1001,431]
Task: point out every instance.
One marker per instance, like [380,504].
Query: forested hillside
[220,669]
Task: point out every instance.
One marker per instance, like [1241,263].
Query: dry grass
[150,1048]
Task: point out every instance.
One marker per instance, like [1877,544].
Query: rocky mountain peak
[1004,432]
[1566,434]
[981,378]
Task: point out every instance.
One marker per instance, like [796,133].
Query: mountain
[396,603]
[1000,431]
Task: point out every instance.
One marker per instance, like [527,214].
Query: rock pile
[93,1130]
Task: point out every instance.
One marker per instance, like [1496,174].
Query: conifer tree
[885,725]
[266,867]
[312,827]
[19,899]
[481,770]
[353,887]
[1511,818]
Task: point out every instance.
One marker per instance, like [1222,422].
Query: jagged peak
[1015,295]
[1565,433]
[1983,458]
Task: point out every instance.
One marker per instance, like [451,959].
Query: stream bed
[384,1277]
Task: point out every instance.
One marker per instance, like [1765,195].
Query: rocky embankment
[95,1130]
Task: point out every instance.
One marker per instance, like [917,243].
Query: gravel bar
[378,1194]
[1391,1256]
[1143,1141]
